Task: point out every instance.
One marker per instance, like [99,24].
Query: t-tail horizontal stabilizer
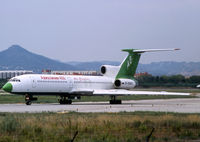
[148,50]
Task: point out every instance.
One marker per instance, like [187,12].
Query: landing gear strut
[114,101]
[29,99]
[63,100]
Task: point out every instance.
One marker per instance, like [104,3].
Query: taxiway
[189,105]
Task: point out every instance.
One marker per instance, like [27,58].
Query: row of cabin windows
[14,80]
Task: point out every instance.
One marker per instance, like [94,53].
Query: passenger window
[14,80]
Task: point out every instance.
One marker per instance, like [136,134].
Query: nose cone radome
[8,87]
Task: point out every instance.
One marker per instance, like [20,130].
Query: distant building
[46,71]
[142,74]
[92,73]
[13,73]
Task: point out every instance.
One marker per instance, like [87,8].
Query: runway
[189,105]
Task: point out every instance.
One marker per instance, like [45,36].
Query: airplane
[115,81]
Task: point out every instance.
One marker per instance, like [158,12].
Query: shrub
[9,124]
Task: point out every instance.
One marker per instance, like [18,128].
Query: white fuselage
[39,83]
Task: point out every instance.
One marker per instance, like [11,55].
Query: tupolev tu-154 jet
[115,81]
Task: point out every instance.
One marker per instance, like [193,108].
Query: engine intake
[110,71]
[103,69]
[124,84]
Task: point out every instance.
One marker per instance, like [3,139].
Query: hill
[17,58]
[155,68]
[171,68]
[96,65]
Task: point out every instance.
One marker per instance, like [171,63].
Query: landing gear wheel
[29,99]
[65,101]
[28,102]
[68,102]
[61,101]
[114,101]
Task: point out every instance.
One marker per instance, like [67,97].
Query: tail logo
[129,62]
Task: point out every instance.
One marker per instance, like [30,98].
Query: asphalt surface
[189,105]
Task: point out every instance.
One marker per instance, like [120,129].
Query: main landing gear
[29,99]
[63,100]
[114,101]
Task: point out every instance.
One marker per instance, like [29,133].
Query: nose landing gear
[29,99]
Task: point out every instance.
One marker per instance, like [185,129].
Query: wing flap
[86,92]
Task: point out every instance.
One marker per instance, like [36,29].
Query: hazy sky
[88,30]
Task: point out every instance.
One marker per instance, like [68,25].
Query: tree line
[168,81]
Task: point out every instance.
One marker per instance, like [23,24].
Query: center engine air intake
[103,69]
[109,71]
[124,84]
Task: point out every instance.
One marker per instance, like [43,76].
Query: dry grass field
[99,127]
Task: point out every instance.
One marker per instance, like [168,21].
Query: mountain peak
[16,57]
[16,48]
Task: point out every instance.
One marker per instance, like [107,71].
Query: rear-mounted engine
[124,84]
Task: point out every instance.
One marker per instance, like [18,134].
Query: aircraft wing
[122,92]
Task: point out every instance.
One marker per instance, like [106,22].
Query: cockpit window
[14,80]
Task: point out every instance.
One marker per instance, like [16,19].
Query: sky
[96,30]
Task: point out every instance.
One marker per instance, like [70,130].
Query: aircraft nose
[8,87]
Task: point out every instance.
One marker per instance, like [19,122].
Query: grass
[54,99]
[98,127]
[8,98]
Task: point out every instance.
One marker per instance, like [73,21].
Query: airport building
[142,74]
[13,73]
[93,73]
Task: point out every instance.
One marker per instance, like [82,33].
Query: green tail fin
[129,65]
